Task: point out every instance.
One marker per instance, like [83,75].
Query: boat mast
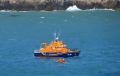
[56,37]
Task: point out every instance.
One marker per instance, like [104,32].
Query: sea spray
[73,8]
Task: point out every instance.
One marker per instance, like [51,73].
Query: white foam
[42,17]
[65,20]
[73,8]
[24,11]
[43,11]
[118,61]
[100,9]
[5,10]
[12,11]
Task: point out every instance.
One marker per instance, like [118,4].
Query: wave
[24,11]
[5,10]
[73,8]
[12,11]
[100,9]
[42,17]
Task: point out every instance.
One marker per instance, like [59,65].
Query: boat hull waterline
[56,54]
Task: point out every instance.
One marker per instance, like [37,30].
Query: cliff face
[50,5]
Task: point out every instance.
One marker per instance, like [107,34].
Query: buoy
[61,60]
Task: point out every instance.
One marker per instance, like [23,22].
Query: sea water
[96,33]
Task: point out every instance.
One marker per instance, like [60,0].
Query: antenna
[54,35]
[59,33]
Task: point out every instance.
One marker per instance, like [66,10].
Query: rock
[49,5]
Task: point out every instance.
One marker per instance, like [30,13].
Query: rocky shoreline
[50,5]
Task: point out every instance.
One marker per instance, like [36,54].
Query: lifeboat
[55,49]
[61,60]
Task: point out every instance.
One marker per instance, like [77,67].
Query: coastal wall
[49,5]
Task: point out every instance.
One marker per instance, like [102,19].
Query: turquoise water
[95,32]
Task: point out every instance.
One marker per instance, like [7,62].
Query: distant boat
[55,49]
